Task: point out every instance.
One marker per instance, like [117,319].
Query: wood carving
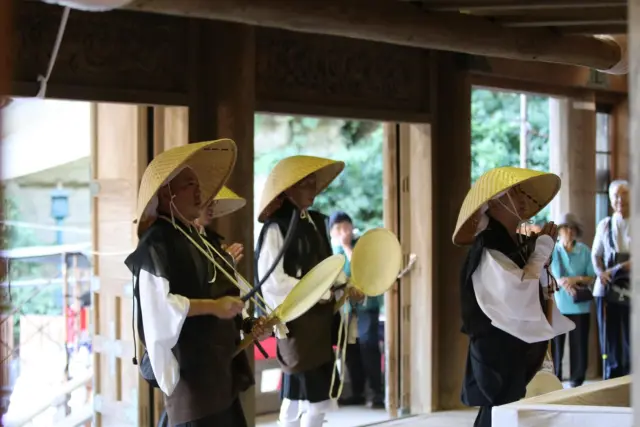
[322,72]
[110,51]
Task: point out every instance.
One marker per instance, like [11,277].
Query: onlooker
[363,357]
[571,265]
[610,255]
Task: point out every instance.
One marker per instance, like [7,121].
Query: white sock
[311,420]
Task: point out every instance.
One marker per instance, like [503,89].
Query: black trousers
[613,328]
[364,358]
[578,349]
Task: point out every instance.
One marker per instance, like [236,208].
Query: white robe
[509,295]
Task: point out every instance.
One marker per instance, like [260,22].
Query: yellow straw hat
[291,170]
[226,202]
[539,189]
[211,161]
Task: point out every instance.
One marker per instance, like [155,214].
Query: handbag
[618,290]
[583,292]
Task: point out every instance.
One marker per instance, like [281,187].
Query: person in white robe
[506,288]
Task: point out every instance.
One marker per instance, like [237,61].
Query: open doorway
[358,191]
[46,182]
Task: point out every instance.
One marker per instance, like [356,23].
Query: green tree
[495,133]
[358,189]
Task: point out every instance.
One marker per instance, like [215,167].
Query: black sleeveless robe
[499,366]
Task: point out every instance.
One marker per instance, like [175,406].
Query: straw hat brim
[291,170]
[227,202]
[211,161]
[539,189]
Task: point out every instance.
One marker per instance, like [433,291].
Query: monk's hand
[235,250]
[227,307]
[551,230]
[355,295]
[260,331]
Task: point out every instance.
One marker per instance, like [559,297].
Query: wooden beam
[399,23]
[486,5]
[612,29]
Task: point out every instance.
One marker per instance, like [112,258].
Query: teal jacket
[571,264]
[369,304]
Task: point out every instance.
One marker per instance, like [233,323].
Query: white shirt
[621,235]
[509,296]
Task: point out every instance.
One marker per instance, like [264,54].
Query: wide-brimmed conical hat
[538,187]
[211,161]
[226,202]
[291,170]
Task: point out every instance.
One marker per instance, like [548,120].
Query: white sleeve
[512,302]
[278,284]
[597,249]
[163,315]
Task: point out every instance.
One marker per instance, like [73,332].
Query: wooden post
[451,180]
[221,105]
[634,145]
[391,184]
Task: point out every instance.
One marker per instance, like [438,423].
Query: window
[603,164]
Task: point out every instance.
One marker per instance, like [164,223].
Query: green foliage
[358,189]
[495,133]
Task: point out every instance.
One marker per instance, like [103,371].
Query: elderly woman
[506,304]
[610,256]
[571,265]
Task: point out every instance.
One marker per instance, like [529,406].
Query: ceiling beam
[594,29]
[390,21]
[504,5]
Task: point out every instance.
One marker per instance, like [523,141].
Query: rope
[54,54]
[341,357]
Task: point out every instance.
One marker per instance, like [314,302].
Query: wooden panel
[422,319]
[620,133]
[323,75]
[391,183]
[119,157]
[405,234]
[112,56]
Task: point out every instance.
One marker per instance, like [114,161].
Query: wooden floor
[360,417]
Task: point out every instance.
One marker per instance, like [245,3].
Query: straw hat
[211,161]
[539,188]
[571,221]
[291,170]
[226,202]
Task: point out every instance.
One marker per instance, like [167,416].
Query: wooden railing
[81,416]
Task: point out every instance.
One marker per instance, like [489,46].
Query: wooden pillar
[620,133]
[634,145]
[450,180]
[6,331]
[221,105]
[572,156]
[391,221]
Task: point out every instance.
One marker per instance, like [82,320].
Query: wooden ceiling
[585,17]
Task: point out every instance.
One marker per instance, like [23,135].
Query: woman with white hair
[610,256]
